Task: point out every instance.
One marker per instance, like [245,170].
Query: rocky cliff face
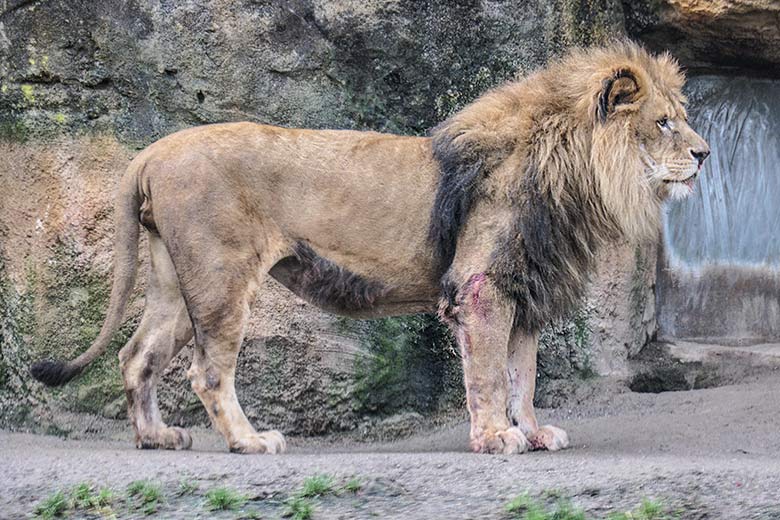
[735,35]
[85,85]
[141,70]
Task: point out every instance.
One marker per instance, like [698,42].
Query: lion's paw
[168,438]
[266,442]
[504,442]
[549,438]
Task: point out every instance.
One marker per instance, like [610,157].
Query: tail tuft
[53,373]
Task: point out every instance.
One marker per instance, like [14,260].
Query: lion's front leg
[522,384]
[481,320]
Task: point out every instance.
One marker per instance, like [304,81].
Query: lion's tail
[54,373]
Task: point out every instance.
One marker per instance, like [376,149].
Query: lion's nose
[700,155]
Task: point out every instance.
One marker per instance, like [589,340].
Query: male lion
[495,219]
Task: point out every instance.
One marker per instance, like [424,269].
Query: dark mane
[543,262]
[553,152]
[462,170]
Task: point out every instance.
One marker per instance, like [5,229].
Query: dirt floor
[711,453]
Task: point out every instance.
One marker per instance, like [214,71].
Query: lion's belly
[337,289]
[362,201]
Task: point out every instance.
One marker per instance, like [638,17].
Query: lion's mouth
[688,181]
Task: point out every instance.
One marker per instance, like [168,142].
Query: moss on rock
[73,299]
[14,130]
[410,363]
[28,93]
[564,348]
[18,396]
[57,315]
[590,22]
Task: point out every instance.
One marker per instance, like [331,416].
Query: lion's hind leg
[164,329]
[218,295]
[219,333]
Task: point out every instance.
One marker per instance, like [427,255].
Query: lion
[493,221]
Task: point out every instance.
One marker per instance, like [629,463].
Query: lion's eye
[663,122]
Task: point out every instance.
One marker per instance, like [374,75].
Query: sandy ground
[710,454]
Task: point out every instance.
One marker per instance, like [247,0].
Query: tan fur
[226,204]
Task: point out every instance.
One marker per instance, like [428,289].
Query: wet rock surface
[144,69]
[719,279]
[680,365]
[741,35]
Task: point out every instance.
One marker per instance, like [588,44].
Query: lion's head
[643,149]
[671,152]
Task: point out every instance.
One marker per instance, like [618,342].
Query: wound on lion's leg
[479,303]
[482,329]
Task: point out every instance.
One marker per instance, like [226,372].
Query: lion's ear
[621,88]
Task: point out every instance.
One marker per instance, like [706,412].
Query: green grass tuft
[318,485]
[565,511]
[187,487]
[53,506]
[81,496]
[147,494]
[648,510]
[353,485]
[224,499]
[298,508]
[104,498]
[525,507]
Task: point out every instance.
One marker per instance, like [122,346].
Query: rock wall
[733,36]
[85,85]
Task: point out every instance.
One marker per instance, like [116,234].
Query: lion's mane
[543,145]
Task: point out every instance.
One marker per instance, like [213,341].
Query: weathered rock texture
[87,84]
[706,34]
[143,69]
